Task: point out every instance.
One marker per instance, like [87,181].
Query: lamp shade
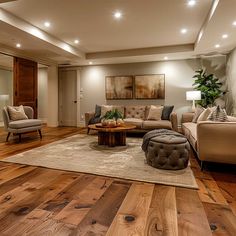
[193,95]
[4,97]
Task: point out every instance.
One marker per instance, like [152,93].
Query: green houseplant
[113,118]
[209,86]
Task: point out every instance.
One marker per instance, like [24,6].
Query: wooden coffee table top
[99,127]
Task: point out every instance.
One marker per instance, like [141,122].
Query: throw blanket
[157,132]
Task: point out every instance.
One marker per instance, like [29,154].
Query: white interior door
[68,98]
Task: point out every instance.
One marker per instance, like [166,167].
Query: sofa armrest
[88,116]
[187,117]
[174,121]
[216,141]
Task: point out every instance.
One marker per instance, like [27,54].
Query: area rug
[81,153]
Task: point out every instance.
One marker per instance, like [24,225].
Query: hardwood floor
[41,201]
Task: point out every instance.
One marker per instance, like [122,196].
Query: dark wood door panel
[25,83]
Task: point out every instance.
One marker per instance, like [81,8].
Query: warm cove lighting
[47,24]
[183,31]
[117,15]
[191,3]
[18,45]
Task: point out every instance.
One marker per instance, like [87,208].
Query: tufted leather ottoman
[170,152]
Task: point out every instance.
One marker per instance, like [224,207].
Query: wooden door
[68,98]
[25,83]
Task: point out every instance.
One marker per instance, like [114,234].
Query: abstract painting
[119,87]
[150,86]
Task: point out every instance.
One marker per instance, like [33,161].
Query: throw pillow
[97,111]
[17,113]
[218,114]
[105,109]
[204,115]
[166,112]
[197,113]
[155,113]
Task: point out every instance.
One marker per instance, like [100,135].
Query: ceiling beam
[24,26]
[141,51]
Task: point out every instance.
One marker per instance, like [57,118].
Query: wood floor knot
[129,218]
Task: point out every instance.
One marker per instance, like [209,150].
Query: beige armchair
[21,126]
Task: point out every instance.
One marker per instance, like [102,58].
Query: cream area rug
[81,153]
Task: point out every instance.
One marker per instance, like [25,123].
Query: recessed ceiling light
[217,45]
[90,63]
[191,3]
[18,45]
[234,23]
[117,14]
[183,31]
[47,24]
[76,41]
[165,58]
[225,36]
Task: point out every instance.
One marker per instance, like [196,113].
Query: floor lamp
[193,96]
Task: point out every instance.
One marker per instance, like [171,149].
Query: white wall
[42,94]
[178,80]
[6,87]
[231,82]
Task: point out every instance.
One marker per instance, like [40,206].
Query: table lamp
[192,96]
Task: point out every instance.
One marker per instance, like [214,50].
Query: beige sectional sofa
[212,141]
[137,115]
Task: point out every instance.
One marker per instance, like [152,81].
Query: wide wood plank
[162,215]
[192,219]
[100,217]
[132,215]
[221,219]
[77,209]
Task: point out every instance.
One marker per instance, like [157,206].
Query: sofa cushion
[155,113]
[135,112]
[205,114]
[134,121]
[121,109]
[18,124]
[157,124]
[105,109]
[98,110]
[190,131]
[218,114]
[231,118]
[17,113]
[166,112]
[198,111]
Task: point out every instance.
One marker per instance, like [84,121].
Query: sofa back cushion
[135,112]
[106,108]
[198,111]
[231,118]
[204,115]
[155,113]
[17,113]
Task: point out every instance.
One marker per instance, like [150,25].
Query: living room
[124,172]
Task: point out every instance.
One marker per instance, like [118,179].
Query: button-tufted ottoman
[167,150]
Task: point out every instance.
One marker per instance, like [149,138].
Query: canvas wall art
[150,86]
[119,87]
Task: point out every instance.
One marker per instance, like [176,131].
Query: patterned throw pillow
[218,114]
[197,113]
[17,113]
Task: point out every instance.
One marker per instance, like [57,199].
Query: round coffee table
[111,136]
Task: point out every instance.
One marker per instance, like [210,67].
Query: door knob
[75,101]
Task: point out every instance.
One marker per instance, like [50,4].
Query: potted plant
[112,118]
[209,86]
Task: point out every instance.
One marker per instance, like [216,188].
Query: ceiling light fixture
[47,24]
[225,36]
[76,41]
[183,31]
[90,63]
[117,14]
[191,3]
[18,45]
[217,45]
[165,58]
[234,23]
